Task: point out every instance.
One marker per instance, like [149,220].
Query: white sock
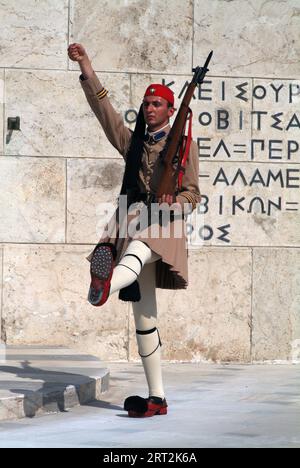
[129,267]
[145,316]
[149,349]
[145,311]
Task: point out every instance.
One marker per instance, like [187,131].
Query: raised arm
[111,121]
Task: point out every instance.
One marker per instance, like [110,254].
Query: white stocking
[145,316]
[130,266]
[145,311]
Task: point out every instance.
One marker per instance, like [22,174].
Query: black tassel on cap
[131,293]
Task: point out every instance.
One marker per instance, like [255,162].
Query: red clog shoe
[139,407]
[101,270]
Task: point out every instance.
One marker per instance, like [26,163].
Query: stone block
[93,187]
[123,35]
[56,119]
[32,200]
[211,319]
[248,38]
[276,120]
[34,34]
[1,109]
[255,204]
[45,302]
[276,304]
[2,336]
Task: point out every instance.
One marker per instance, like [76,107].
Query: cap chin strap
[159,130]
[147,332]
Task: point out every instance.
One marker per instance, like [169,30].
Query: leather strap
[147,332]
[185,149]
[133,255]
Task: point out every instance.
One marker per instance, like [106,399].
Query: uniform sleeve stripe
[189,197]
[101,93]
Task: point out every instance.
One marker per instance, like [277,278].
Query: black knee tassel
[131,293]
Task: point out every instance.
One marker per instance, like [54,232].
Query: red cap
[161,91]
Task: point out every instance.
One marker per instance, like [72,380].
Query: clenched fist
[76,52]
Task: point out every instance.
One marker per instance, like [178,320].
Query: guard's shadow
[54,393]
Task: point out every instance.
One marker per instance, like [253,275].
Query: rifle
[169,155]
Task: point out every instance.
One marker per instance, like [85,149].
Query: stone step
[46,379]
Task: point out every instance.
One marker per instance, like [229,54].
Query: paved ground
[209,406]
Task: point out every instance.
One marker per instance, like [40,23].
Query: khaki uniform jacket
[172,268]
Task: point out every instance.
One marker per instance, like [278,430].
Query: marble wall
[243,302]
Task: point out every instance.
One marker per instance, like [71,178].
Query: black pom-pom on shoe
[139,407]
[135,403]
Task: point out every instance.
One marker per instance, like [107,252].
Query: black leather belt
[147,198]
